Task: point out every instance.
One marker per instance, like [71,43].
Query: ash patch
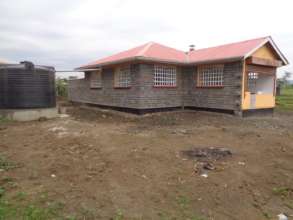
[206,159]
[207,153]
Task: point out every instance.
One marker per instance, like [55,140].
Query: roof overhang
[131,59]
[145,59]
[225,60]
[186,62]
[275,47]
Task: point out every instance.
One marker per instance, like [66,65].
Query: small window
[165,76]
[122,78]
[252,76]
[210,75]
[96,80]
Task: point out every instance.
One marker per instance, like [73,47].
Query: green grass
[21,208]
[285,100]
[119,215]
[4,120]
[6,165]
[282,191]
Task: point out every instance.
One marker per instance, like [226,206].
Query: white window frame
[165,76]
[96,80]
[211,75]
[122,77]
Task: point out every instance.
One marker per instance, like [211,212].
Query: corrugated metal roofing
[158,52]
[233,50]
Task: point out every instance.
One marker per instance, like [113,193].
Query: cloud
[67,34]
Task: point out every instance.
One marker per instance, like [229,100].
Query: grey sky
[67,34]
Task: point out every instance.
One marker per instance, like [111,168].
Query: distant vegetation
[285,100]
[285,80]
[61,87]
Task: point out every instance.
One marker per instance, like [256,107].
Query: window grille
[123,77]
[165,76]
[96,80]
[252,76]
[210,75]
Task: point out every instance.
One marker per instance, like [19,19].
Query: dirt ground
[103,165]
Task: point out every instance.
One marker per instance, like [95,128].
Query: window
[165,76]
[210,75]
[96,80]
[252,76]
[122,78]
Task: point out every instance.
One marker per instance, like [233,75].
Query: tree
[285,78]
[61,87]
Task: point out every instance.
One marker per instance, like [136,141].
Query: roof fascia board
[268,39]
[284,59]
[229,59]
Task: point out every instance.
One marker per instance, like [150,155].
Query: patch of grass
[4,120]
[183,201]
[285,100]
[6,165]
[266,215]
[289,204]
[282,191]
[14,209]
[2,192]
[7,179]
[86,213]
[44,196]
[20,196]
[118,215]
[185,209]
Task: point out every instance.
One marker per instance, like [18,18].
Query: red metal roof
[233,50]
[158,52]
[151,50]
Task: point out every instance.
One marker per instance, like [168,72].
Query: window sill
[128,87]
[170,87]
[96,88]
[210,87]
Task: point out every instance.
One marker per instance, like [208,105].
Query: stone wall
[143,95]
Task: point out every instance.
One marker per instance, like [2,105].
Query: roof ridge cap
[145,48]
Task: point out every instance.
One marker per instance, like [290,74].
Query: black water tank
[25,85]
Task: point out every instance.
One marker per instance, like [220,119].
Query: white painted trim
[270,40]
[284,59]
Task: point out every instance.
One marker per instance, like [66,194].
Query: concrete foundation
[28,114]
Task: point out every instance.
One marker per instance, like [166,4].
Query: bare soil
[103,165]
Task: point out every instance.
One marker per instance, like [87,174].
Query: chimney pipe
[191,47]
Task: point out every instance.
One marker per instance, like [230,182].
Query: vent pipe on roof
[191,47]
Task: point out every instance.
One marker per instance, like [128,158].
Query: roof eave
[141,58]
[222,60]
[136,58]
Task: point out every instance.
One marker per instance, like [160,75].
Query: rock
[282,217]
[208,166]
[241,163]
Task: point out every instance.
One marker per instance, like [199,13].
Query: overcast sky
[67,34]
